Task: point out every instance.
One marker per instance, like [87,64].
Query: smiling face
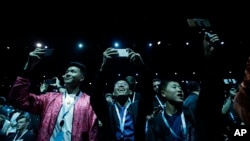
[73,75]
[121,88]
[173,92]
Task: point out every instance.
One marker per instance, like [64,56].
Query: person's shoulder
[191,97]
[30,135]
[49,96]
[85,95]
[189,100]
[52,94]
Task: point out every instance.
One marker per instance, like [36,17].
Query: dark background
[62,25]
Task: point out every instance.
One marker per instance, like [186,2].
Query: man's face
[156,85]
[121,88]
[22,124]
[73,75]
[173,92]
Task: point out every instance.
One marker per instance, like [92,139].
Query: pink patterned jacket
[242,98]
[48,105]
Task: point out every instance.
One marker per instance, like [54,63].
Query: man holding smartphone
[122,119]
[64,116]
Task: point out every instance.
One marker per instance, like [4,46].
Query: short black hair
[81,66]
[131,81]
[130,78]
[24,115]
[193,86]
[121,79]
[156,79]
[165,81]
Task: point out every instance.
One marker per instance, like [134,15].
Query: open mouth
[121,90]
[180,96]
[68,78]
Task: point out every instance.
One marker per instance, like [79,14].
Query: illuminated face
[22,123]
[121,88]
[173,92]
[73,75]
[156,85]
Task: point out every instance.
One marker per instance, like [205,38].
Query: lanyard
[232,116]
[20,136]
[133,100]
[157,98]
[122,121]
[171,130]
[70,106]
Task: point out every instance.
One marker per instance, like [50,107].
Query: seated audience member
[4,125]
[22,131]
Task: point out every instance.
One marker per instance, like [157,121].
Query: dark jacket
[106,112]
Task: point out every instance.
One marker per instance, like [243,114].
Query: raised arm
[211,98]
[19,95]
[98,100]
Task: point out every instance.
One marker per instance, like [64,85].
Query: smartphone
[205,23]
[48,51]
[122,52]
[50,81]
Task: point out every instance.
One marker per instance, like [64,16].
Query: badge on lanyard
[59,136]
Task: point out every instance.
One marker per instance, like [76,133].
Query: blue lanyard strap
[171,130]
[70,106]
[122,120]
[159,101]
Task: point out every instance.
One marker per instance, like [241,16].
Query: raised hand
[210,42]
[108,54]
[57,83]
[43,87]
[34,57]
[135,58]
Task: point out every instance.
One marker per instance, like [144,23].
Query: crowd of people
[136,108]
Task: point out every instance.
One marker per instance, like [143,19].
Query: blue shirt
[128,133]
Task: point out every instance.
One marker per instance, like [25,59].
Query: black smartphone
[50,81]
[48,52]
[196,22]
[202,25]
